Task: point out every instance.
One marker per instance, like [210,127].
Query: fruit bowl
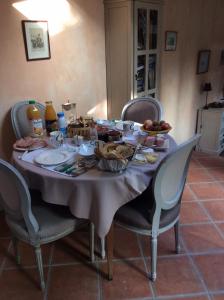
[155,132]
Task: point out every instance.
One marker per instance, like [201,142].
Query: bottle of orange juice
[36,122]
[50,117]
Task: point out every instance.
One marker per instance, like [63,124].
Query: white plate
[86,150]
[51,157]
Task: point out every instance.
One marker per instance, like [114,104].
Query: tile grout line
[152,289]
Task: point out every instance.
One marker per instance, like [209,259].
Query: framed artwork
[222,58]
[203,61]
[170,40]
[36,40]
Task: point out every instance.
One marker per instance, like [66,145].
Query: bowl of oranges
[156,127]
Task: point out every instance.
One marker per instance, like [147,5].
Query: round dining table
[95,195]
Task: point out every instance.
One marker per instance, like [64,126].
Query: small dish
[86,150]
[51,157]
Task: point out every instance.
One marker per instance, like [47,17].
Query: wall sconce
[207,88]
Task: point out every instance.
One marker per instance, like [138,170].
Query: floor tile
[221,226]
[187,194]
[191,212]
[129,281]
[194,164]
[125,244]
[197,154]
[217,173]
[202,238]
[215,209]
[211,162]
[193,298]
[73,282]
[208,190]
[21,285]
[176,276]
[73,248]
[211,268]
[166,244]
[198,175]
[218,297]
[27,255]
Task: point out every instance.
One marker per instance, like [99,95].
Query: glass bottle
[34,116]
[50,117]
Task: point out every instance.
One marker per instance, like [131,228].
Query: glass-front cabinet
[146,49]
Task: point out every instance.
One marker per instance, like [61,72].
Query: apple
[147,124]
[165,126]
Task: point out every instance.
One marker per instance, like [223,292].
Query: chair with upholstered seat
[20,122]
[34,222]
[141,109]
[158,208]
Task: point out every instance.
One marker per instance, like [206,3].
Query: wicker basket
[113,165]
[83,131]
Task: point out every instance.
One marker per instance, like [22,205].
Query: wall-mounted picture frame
[203,61]
[170,40]
[36,40]
[222,57]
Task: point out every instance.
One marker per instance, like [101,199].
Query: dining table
[95,195]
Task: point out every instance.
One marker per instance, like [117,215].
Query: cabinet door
[146,49]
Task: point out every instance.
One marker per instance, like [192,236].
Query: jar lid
[32,101]
[60,114]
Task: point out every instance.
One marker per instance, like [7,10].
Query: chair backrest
[15,197]
[169,180]
[141,109]
[20,122]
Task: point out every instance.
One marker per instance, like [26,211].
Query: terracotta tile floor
[197,273]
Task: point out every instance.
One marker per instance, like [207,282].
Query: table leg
[110,248]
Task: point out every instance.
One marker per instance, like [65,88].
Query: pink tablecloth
[95,195]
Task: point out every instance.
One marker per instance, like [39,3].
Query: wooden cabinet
[133,46]
[211,126]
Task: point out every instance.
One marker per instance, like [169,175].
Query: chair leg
[110,248]
[177,240]
[153,258]
[40,266]
[16,250]
[103,253]
[92,238]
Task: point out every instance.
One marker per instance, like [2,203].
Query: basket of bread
[156,127]
[114,157]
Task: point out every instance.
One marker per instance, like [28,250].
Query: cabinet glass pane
[142,27]
[141,74]
[153,29]
[152,72]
